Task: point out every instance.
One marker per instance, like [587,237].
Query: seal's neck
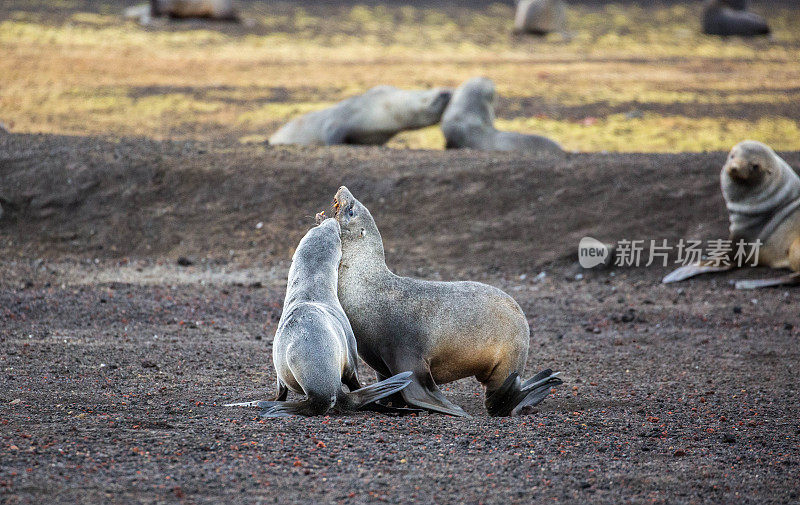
[321,285]
[363,259]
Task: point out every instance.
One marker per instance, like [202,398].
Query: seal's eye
[350,212]
[755,167]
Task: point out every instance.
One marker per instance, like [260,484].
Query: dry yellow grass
[92,73]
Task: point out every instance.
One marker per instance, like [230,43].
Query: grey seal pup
[468,122]
[441,331]
[314,351]
[371,119]
[731,17]
[540,17]
[762,195]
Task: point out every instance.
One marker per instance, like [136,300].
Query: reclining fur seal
[314,351]
[731,17]
[441,331]
[219,10]
[372,118]
[468,122]
[762,194]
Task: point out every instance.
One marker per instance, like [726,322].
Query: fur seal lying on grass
[220,10]
[730,17]
[314,350]
[468,122]
[762,194]
[540,17]
[372,118]
[183,9]
[441,331]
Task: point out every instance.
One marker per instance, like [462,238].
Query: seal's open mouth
[340,203]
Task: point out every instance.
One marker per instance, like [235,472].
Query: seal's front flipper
[286,409]
[382,389]
[786,280]
[513,394]
[430,398]
[687,271]
[315,404]
[334,134]
[282,393]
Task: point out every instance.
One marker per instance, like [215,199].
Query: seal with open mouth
[762,194]
[441,331]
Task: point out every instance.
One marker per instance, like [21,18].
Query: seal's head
[749,164]
[321,245]
[756,183]
[474,99]
[360,235]
[422,108]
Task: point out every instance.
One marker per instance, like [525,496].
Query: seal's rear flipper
[786,280]
[538,388]
[286,409]
[382,389]
[417,395]
[687,271]
[513,395]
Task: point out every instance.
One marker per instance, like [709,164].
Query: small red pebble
[297,463]
[320,444]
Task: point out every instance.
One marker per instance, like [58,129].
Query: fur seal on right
[468,122]
[762,194]
[441,331]
[540,17]
[369,119]
[730,17]
[314,351]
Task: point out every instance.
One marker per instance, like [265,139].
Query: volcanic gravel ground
[116,360]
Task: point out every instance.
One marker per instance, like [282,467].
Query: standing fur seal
[441,331]
[540,17]
[314,350]
[468,122]
[372,118]
[762,194]
[730,17]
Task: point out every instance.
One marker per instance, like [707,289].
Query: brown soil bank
[88,196]
[112,372]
